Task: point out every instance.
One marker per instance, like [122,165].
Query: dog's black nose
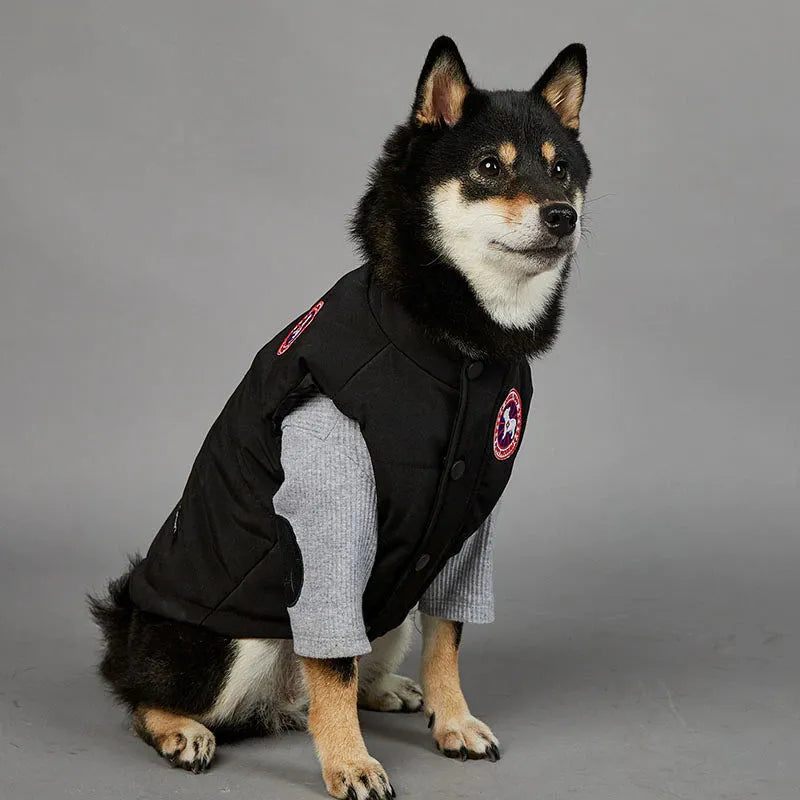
[559,218]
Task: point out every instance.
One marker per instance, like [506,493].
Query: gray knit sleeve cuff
[313,645]
[463,591]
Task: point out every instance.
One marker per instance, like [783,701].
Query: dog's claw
[468,739]
[389,788]
[358,781]
[432,720]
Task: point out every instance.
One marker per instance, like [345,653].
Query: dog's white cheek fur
[513,294]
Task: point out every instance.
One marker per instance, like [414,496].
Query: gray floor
[634,671]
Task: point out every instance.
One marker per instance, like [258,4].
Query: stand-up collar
[409,336]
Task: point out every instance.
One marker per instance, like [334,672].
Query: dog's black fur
[153,661]
[160,663]
[143,649]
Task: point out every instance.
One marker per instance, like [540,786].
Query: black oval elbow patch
[292,560]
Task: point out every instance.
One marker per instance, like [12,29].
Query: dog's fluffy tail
[113,612]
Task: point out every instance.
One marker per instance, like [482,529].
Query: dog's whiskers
[599,197]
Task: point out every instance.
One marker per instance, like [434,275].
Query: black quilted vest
[442,432]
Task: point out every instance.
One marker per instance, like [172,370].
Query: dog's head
[490,183]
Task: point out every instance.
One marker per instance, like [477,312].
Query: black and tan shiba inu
[470,221]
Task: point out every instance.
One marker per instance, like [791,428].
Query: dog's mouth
[534,251]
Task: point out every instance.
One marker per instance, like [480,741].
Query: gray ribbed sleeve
[328,496]
[463,590]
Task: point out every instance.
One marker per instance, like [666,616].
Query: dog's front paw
[391,693]
[464,738]
[363,779]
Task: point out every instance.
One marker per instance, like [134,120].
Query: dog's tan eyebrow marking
[507,153]
[549,152]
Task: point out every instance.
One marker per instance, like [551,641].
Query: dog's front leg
[457,733]
[347,768]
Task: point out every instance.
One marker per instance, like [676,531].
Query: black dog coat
[442,432]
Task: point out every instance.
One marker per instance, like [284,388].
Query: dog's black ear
[442,87]
[564,83]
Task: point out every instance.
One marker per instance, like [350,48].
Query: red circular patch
[508,427]
[307,319]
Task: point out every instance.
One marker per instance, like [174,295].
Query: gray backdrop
[175,179]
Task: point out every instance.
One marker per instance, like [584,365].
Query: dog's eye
[560,170]
[489,167]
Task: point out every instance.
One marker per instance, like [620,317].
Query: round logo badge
[508,427]
[307,319]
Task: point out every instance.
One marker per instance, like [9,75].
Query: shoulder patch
[306,320]
[508,427]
